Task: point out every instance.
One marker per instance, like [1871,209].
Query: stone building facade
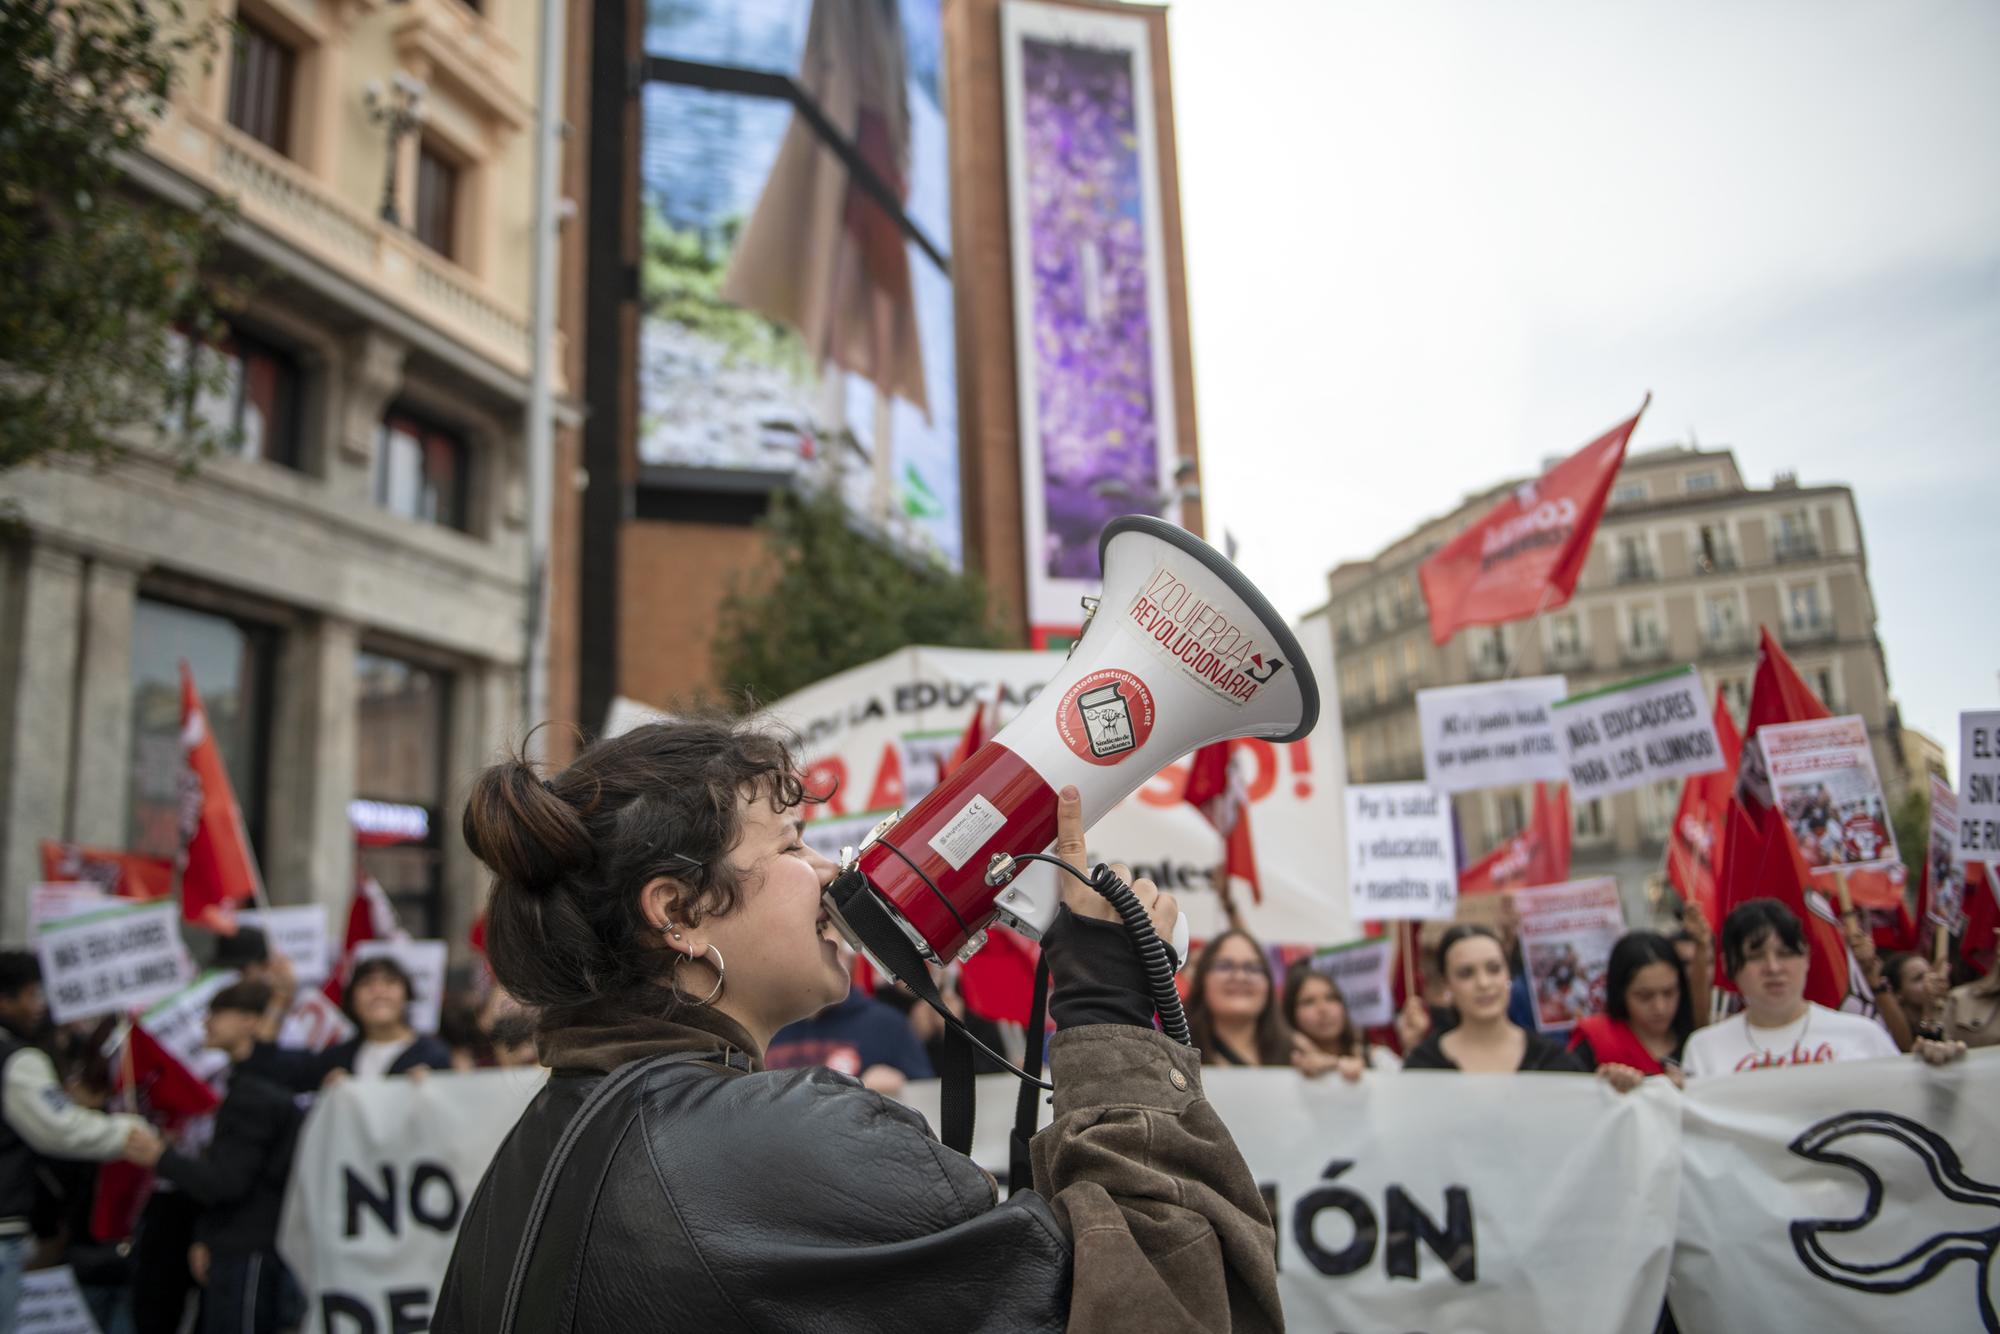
[1687,564]
[351,586]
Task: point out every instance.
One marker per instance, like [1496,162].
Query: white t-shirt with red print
[1822,1035]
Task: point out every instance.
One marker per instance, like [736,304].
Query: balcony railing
[1720,561]
[1635,572]
[1567,657]
[1490,666]
[1640,651]
[1726,642]
[1795,549]
[1818,630]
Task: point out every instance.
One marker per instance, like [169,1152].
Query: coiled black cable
[1154,954]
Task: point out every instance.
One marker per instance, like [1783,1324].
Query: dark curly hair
[565,928]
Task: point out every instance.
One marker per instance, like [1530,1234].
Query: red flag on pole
[1829,971]
[216,868]
[1694,844]
[1525,554]
[370,916]
[1538,855]
[977,732]
[125,874]
[1217,790]
[1778,694]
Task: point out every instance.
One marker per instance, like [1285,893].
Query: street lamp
[399,109]
[1185,489]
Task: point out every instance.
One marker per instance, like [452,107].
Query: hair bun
[516,823]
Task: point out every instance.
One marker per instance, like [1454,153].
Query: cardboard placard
[1491,735]
[1400,860]
[1637,732]
[116,959]
[1979,787]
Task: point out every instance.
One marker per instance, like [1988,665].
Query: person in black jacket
[377,1000]
[240,1180]
[656,904]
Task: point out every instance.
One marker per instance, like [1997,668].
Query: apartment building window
[1713,551]
[420,470]
[232,662]
[1510,814]
[402,712]
[1629,493]
[1565,637]
[1795,536]
[1657,803]
[1356,770]
[251,396]
[1489,651]
[1822,684]
[1644,634]
[1735,696]
[261,75]
[437,200]
[1696,483]
[1411,661]
[1722,621]
[1635,558]
[1802,608]
[1587,821]
[1351,685]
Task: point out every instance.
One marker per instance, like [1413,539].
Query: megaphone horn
[1180,651]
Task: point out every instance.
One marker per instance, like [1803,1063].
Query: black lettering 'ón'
[1358,1252]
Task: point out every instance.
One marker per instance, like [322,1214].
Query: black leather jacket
[742,1199]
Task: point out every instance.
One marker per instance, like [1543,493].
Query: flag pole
[1406,945]
[1534,627]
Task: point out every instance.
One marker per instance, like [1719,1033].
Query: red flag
[1785,877]
[1737,864]
[216,868]
[370,916]
[167,1087]
[1217,790]
[1694,844]
[999,981]
[1982,918]
[1538,855]
[977,732]
[126,874]
[1524,555]
[1778,694]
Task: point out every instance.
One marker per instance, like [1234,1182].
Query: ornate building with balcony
[351,585]
[1686,565]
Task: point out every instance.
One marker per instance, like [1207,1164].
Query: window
[1510,814]
[1565,636]
[1635,558]
[1736,696]
[1382,675]
[437,199]
[1713,551]
[1802,607]
[1722,622]
[231,662]
[1643,624]
[1629,493]
[400,740]
[420,470]
[1822,684]
[1411,665]
[260,85]
[1657,804]
[1356,770]
[1698,482]
[1795,537]
[254,401]
[1587,822]
[1489,651]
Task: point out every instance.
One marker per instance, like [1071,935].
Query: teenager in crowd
[1918,988]
[1232,1005]
[1649,1014]
[656,906]
[858,1035]
[1485,1040]
[1324,1038]
[377,1001]
[38,1118]
[1764,948]
[239,1180]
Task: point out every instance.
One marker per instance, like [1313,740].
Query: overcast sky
[1431,244]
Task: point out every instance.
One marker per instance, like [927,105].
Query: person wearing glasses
[1232,1007]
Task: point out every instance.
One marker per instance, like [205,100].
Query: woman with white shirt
[1765,950]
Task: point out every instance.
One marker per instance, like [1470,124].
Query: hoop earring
[709,999]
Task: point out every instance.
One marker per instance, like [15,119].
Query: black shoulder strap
[551,1297]
[1027,1112]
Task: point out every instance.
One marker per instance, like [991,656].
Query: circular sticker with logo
[1105,716]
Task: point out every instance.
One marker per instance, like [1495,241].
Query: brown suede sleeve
[1168,1229]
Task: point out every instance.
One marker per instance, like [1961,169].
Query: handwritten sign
[298,933]
[1491,735]
[118,959]
[1401,863]
[1637,732]
[52,1304]
[1361,971]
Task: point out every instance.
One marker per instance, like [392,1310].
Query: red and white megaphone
[1179,651]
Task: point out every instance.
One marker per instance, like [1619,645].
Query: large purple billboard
[1096,397]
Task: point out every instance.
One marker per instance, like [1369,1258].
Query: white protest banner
[52,901]
[116,959]
[298,933]
[874,734]
[1361,971]
[1400,858]
[1636,732]
[1510,1204]
[1979,788]
[1491,735]
[1945,905]
[1566,934]
[1823,781]
[424,961]
[180,1023]
[384,1172]
[1854,1195]
[51,1304]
